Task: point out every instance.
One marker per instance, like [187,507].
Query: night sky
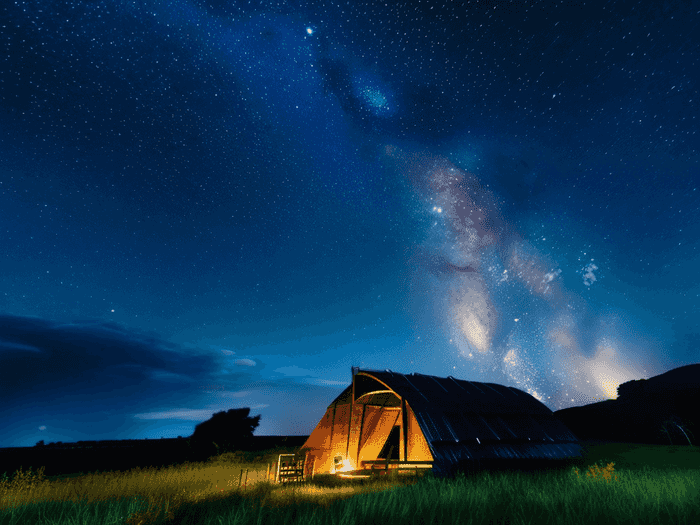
[210,204]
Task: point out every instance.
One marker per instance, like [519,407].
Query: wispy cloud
[8,346]
[245,362]
[184,414]
[103,378]
[293,371]
[329,382]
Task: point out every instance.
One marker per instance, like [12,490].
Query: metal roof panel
[469,413]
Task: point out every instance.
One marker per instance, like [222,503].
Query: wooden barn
[422,421]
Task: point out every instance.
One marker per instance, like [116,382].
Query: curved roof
[465,396]
[450,410]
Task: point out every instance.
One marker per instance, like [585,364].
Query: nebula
[500,301]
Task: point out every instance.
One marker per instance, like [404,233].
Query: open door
[390,450]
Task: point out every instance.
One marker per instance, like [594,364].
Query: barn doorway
[390,450]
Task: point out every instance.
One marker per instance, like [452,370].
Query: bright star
[310,30]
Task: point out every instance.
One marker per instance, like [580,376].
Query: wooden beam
[359,439]
[395,461]
[330,445]
[352,409]
[404,423]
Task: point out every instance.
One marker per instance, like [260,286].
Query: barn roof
[471,420]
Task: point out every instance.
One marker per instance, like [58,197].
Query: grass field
[612,483]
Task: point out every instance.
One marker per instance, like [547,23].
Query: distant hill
[659,410]
[120,455]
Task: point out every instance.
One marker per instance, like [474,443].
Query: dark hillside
[119,455]
[660,410]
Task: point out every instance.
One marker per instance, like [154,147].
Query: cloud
[40,355]
[97,380]
[245,362]
[7,346]
[160,375]
[218,348]
[201,414]
[293,371]
[198,415]
[329,382]
[107,380]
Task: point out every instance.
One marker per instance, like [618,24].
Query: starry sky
[212,204]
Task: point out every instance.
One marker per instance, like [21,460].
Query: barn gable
[416,417]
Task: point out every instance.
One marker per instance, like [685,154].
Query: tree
[226,431]
[39,443]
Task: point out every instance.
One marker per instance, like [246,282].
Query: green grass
[614,483]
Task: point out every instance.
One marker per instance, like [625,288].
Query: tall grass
[143,494]
[207,493]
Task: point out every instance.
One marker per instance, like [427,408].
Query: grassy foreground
[611,484]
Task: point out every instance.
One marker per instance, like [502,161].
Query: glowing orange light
[342,466]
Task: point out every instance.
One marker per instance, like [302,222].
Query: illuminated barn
[445,423]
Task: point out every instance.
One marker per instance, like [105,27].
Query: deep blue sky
[209,204]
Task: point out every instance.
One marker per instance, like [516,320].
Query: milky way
[502,303]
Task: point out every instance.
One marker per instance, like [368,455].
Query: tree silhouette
[226,431]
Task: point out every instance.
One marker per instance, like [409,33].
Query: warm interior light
[342,465]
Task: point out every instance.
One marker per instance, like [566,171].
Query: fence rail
[395,464]
[290,467]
